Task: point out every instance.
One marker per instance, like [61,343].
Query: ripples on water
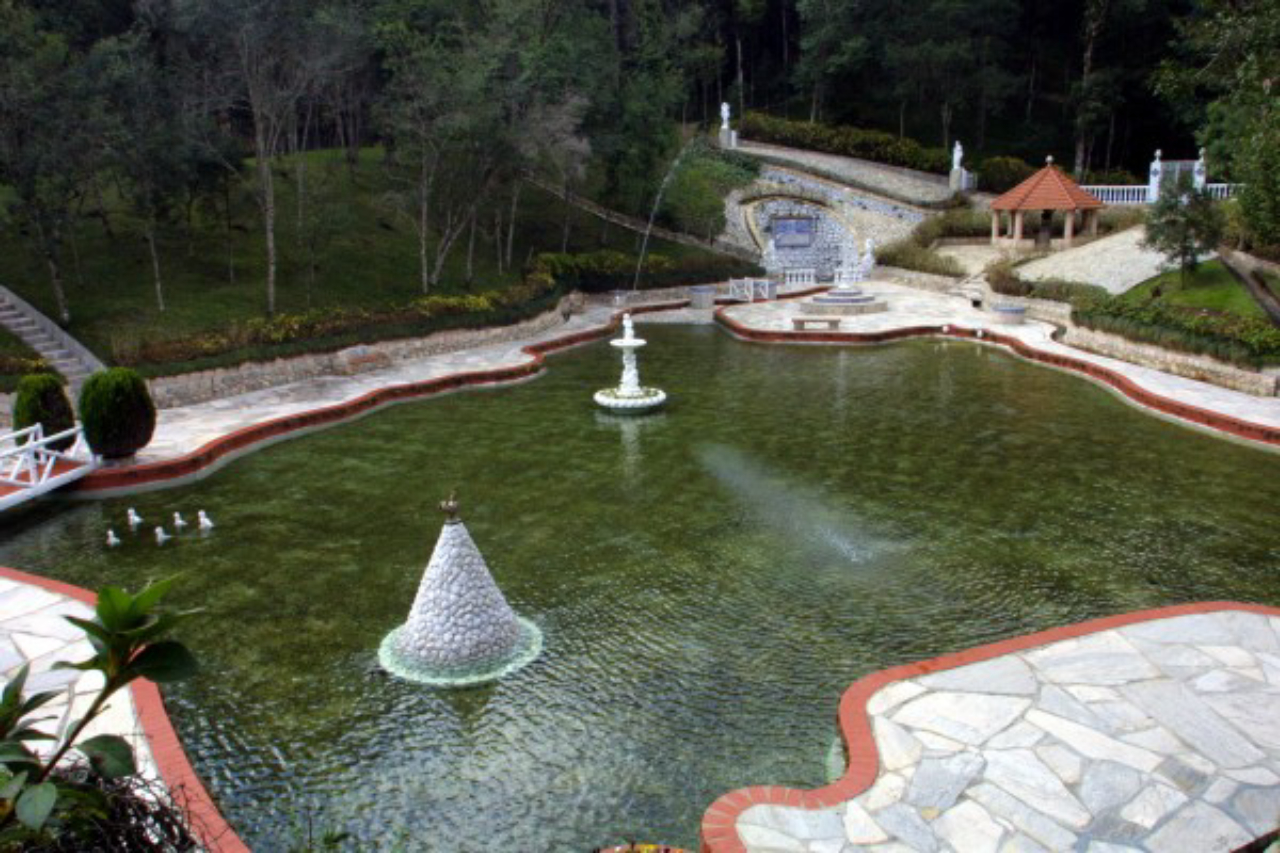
[708,580]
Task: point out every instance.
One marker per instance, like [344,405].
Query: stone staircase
[64,353]
[972,288]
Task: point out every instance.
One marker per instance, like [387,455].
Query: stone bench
[801,323]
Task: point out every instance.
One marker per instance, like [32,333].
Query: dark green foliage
[694,202]
[910,255]
[1246,341]
[117,412]
[1184,224]
[873,145]
[98,805]
[1001,174]
[599,272]
[1003,278]
[40,399]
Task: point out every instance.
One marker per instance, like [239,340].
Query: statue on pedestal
[724,116]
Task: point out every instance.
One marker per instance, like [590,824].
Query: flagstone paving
[1160,736]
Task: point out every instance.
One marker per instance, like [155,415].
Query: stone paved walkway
[911,307]
[1160,735]
[1115,262]
[184,429]
[33,631]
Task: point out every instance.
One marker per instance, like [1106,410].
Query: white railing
[29,464]
[799,277]
[751,289]
[1119,195]
[1223,191]
[1133,194]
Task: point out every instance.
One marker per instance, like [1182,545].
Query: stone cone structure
[460,630]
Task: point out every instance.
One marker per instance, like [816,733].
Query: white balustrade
[30,466]
[800,277]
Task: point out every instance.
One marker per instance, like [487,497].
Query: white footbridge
[31,465]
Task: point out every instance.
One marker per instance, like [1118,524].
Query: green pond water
[708,579]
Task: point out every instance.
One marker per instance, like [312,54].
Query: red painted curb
[207,823]
[1184,411]
[133,476]
[719,831]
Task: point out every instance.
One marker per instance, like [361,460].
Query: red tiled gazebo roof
[1048,189]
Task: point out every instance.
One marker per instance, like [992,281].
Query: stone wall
[186,389]
[1182,364]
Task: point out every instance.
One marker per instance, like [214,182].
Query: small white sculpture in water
[161,536]
[134,518]
[630,396]
[112,539]
[204,521]
[178,521]
[460,629]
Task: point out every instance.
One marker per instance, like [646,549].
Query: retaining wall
[1183,364]
[189,388]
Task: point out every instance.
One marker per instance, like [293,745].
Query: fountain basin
[615,400]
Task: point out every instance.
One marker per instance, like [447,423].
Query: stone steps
[50,347]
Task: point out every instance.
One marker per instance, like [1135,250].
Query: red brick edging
[1184,411]
[719,832]
[208,824]
[134,476]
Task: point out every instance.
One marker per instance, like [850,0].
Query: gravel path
[920,187]
[1116,262]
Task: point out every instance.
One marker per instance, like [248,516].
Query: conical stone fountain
[460,630]
[629,397]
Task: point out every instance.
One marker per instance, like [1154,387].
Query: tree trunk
[564,231]
[102,210]
[230,232]
[946,124]
[511,223]
[902,118]
[1095,13]
[742,88]
[471,250]
[49,240]
[267,200]
[155,262]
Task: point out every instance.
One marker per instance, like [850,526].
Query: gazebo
[1047,190]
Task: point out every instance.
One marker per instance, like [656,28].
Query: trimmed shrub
[1003,278]
[1249,342]
[605,270]
[694,201]
[1001,174]
[910,255]
[119,416]
[41,400]
[873,145]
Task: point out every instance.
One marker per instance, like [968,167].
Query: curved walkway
[33,631]
[193,440]
[1150,731]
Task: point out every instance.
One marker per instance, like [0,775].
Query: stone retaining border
[718,831]
[206,822]
[1126,387]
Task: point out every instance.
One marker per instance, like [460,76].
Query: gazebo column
[995,226]
[1017,227]
[1068,228]
[1093,222]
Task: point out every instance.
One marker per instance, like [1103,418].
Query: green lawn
[1211,286]
[370,259]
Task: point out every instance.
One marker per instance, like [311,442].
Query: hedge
[1249,342]
[875,145]
[40,399]
[1003,278]
[605,270]
[118,414]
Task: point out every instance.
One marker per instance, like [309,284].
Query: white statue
[957,155]
[628,330]
[724,116]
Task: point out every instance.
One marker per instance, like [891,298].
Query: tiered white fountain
[629,397]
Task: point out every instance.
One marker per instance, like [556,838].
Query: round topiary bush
[117,412]
[1001,174]
[41,400]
